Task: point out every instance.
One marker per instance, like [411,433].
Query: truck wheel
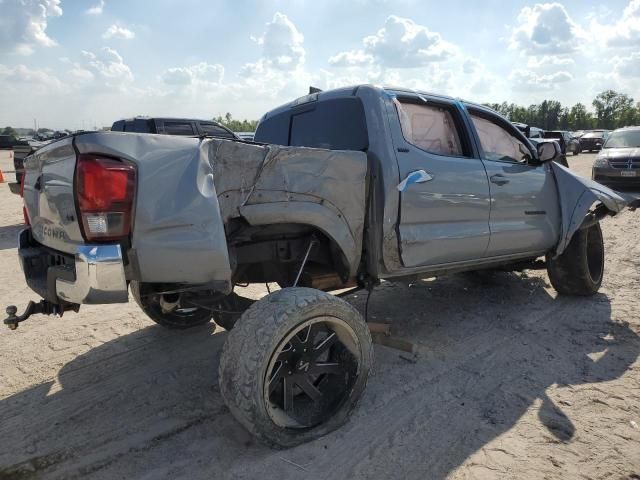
[152,305]
[579,270]
[295,366]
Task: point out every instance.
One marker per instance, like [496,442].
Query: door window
[430,128]
[178,128]
[498,143]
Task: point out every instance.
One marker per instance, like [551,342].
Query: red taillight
[24,207]
[105,188]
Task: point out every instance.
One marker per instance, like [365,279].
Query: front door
[444,205]
[525,215]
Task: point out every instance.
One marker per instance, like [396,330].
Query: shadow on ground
[490,345]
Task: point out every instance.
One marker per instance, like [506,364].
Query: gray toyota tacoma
[340,189]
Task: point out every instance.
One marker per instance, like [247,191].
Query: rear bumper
[94,275]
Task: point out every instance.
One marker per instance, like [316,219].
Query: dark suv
[593,140]
[568,143]
[173,126]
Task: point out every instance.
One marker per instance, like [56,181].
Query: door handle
[498,179]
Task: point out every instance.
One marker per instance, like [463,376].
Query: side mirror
[548,151]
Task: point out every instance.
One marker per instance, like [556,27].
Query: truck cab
[485,196]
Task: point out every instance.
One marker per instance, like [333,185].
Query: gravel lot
[510,382]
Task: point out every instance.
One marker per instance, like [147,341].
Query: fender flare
[577,195]
[316,215]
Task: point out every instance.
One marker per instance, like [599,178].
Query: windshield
[624,139]
[593,135]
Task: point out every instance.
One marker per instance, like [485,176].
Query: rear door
[445,217]
[525,215]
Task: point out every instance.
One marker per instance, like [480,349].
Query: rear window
[335,124]
[593,135]
[178,128]
[215,130]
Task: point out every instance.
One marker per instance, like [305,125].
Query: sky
[84,63]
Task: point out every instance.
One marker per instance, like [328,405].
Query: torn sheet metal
[419,176]
[577,195]
[322,188]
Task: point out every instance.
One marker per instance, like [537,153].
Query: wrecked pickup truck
[341,189]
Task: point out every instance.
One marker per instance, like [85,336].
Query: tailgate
[48,196]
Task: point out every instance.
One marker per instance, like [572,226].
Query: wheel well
[274,253]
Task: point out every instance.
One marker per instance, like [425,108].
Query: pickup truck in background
[21,149]
[173,126]
[346,188]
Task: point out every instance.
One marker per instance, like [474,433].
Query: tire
[179,320]
[254,366]
[580,268]
[576,152]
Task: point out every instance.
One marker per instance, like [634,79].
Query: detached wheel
[162,308]
[295,366]
[580,268]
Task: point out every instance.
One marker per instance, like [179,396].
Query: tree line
[611,110]
[236,125]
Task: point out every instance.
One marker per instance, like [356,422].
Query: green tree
[609,106]
[237,125]
[9,131]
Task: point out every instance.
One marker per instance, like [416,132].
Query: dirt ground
[510,382]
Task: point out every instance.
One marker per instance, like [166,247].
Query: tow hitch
[43,306]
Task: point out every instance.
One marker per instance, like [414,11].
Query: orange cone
[1,176]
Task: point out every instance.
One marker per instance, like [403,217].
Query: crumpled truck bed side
[271,184]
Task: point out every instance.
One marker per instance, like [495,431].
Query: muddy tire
[295,366]
[579,270]
[179,319]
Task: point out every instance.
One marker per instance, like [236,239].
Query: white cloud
[107,67]
[96,9]
[353,58]
[23,24]
[545,29]
[281,46]
[627,67]
[528,80]
[549,61]
[20,77]
[116,31]
[623,33]
[201,73]
[400,43]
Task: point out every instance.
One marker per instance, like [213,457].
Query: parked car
[593,140]
[20,148]
[618,163]
[173,126]
[396,184]
[529,131]
[568,143]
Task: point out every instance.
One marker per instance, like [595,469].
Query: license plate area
[628,173]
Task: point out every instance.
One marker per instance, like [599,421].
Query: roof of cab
[349,92]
